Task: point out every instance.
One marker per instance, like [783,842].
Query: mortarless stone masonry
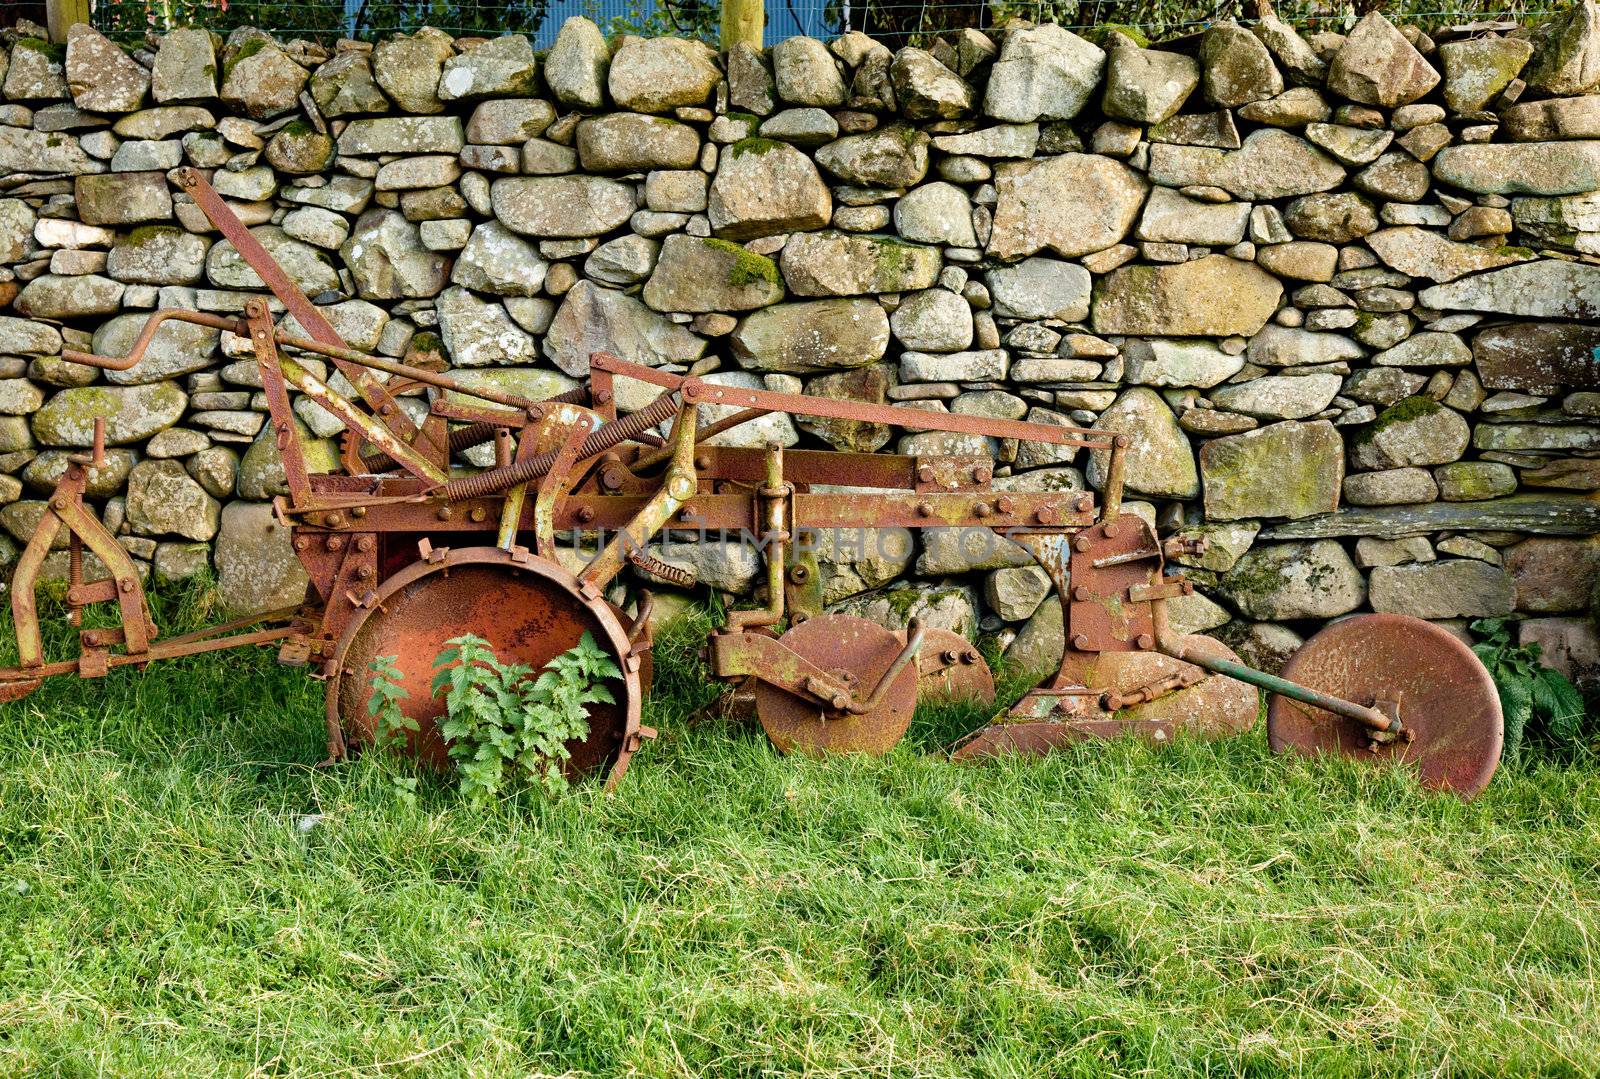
[1341,290]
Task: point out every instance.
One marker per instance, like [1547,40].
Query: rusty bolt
[335,543]
[385,409]
[365,543]
[1084,504]
[982,509]
[1080,593]
[1080,542]
[58,503]
[1145,641]
[799,574]
[602,397]
[611,477]
[1045,515]
[125,584]
[1123,441]
[1111,529]
[950,655]
[924,509]
[335,520]
[299,543]
[703,461]
[1080,642]
[364,572]
[1005,503]
[982,474]
[477,514]
[445,513]
[686,514]
[585,514]
[925,473]
[358,511]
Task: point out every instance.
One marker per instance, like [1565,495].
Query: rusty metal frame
[593,470]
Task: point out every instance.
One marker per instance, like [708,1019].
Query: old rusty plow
[405,550]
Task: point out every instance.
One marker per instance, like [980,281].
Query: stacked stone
[1340,289]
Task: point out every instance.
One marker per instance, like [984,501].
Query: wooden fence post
[742,21]
[60,15]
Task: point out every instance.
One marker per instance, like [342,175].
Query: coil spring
[677,575]
[496,480]
[473,434]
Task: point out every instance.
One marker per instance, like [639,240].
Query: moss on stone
[1412,408]
[247,50]
[747,267]
[145,234]
[1104,32]
[297,129]
[55,52]
[754,146]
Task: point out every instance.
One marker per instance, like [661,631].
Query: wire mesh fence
[894,22]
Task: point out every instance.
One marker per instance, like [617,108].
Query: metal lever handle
[916,631]
[146,335]
[97,458]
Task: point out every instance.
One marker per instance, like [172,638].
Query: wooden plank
[742,21]
[61,15]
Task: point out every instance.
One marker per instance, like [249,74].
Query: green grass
[1204,910]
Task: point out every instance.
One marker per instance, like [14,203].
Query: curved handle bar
[154,323]
[242,328]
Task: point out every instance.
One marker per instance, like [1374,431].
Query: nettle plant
[504,722]
[1539,703]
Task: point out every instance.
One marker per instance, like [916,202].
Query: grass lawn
[170,906]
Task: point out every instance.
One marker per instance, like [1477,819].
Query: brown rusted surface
[951,670]
[528,609]
[1129,694]
[1452,728]
[1107,561]
[857,653]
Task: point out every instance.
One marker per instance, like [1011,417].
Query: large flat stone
[1520,168]
[1286,469]
[1271,164]
[1457,588]
[808,338]
[562,206]
[1212,296]
[1073,204]
[1419,252]
[1540,515]
[1543,289]
[1538,357]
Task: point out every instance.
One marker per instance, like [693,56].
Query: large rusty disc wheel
[529,611]
[1447,700]
[860,652]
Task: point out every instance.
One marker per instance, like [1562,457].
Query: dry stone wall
[1342,290]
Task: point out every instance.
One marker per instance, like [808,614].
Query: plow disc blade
[1209,706]
[952,671]
[1447,700]
[860,652]
[529,612]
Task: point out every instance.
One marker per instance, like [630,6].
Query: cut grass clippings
[183,894]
